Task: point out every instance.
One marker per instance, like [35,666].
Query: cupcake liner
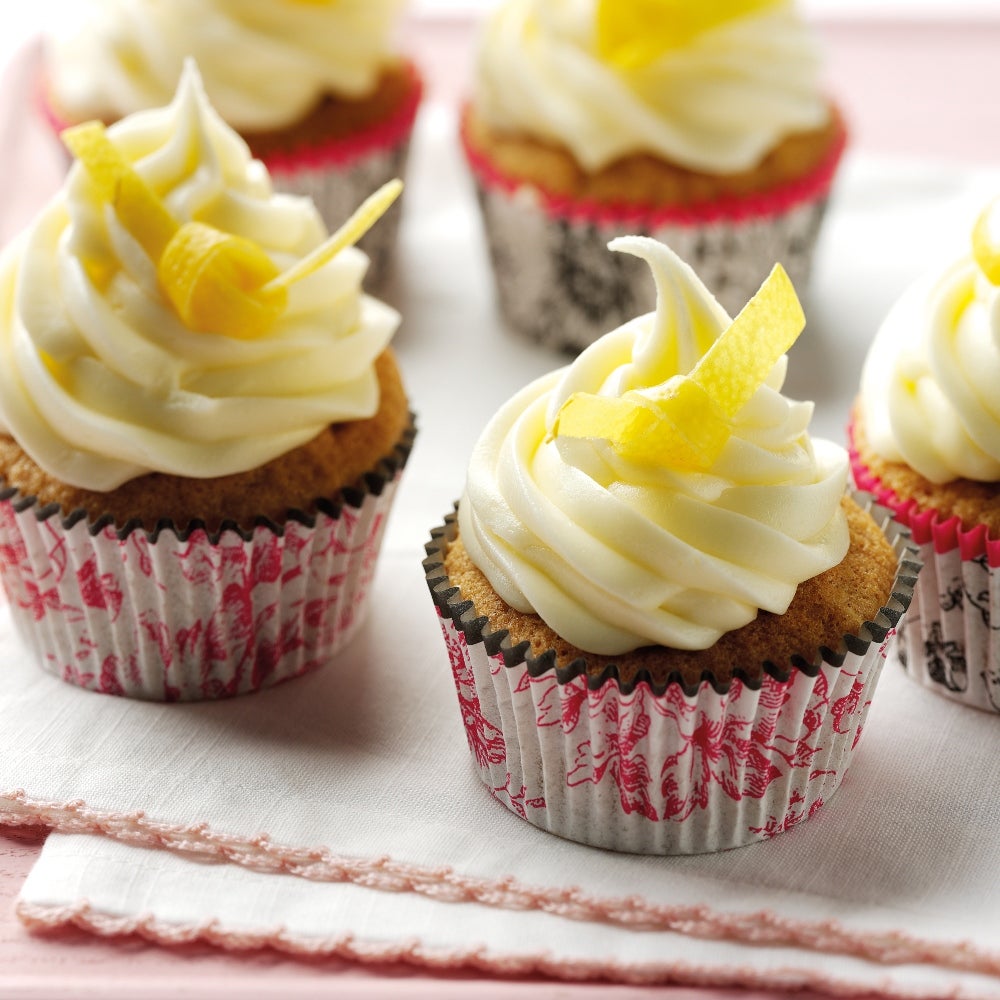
[951,639]
[340,174]
[557,283]
[661,769]
[338,189]
[174,615]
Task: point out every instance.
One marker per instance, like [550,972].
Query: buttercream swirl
[929,383]
[615,554]
[265,63]
[100,381]
[716,105]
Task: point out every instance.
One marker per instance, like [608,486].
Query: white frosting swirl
[137,390]
[717,105]
[614,554]
[929,383]
[265,62]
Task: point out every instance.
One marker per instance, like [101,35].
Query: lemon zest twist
[217,282]
[634,33]
[689,423]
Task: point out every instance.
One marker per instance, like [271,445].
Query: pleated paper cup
[339,175]
[188,615]
[950,643]
[557,283]
[662,769]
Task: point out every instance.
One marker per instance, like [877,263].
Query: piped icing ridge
[102,380]
[929,383]
[615,551]
[265,62]
[714,99]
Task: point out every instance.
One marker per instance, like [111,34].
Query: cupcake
[708,130]
[314,87]
[925,439]
[202,423]
[664,615]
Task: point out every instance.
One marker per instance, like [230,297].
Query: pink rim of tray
[927,526]
[754,206]
[381,135]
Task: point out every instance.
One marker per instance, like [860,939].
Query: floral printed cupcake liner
[174,615]
[558,285]
[662,770]
[950,642]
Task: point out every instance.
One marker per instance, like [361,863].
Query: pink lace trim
[445,885]
[754,206]
[480,958]
[926,525]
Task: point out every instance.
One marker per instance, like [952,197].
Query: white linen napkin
[382,841]
[341,812]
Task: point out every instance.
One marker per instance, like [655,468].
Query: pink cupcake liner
[339,174]
[661,769]
[558,284]
[189,615]
[951,640]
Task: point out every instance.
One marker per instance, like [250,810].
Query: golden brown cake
[319,470]
[337,118]
[973,502]
[648,181]
[824,610]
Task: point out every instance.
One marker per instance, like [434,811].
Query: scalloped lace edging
[443,884]
[478,957]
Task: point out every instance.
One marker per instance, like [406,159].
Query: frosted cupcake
[665,618]
[926,440]
[202,423]
[592,118]
[315,88]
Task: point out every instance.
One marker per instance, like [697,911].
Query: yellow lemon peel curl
[634,33]
[217,282]
[689,424]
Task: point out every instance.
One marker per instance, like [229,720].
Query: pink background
[914,88]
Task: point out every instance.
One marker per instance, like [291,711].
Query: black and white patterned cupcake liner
[558,284]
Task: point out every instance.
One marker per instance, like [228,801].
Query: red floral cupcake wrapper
[558,283]
[669,771]
[950,641]
[187,616]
